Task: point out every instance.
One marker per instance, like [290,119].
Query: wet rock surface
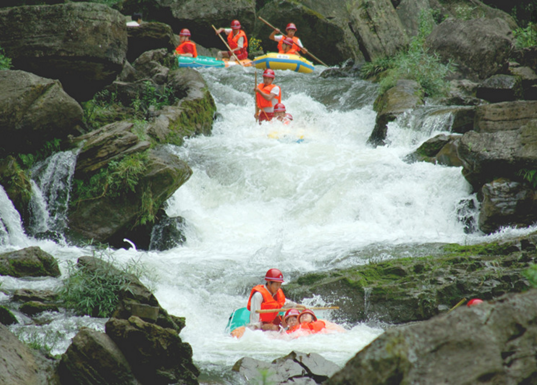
[29,262]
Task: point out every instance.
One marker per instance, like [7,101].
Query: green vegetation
[414,63]
[255,44]
[40,338]
[95,290]
[529,176]
[49,148]
[531,275]
[526,37]
[5,62]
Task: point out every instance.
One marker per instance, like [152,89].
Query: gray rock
[36,307]
[81,44]
[504,116]
[7,317]
[442,149]
[150,36]
[491,343]
[29,262]
[25,295]
[501,88]
[529,81]
[480,48]
[94,358]
[410,11]
[34,110]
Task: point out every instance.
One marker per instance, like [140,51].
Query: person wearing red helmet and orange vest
[237,41]
[279,114]
[267,96]
[265,297]
[288,47]
[290,31]
[186,48]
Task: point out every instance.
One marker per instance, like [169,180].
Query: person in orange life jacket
[279,113]
[186,48]
[136,20]
[288,47]
[237,41]
[267,96]
[290,320]
[290,31]
[308,320]
[268,296]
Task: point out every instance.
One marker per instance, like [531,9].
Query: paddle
[220,36]
[255,98]
[308,52]
[311,308]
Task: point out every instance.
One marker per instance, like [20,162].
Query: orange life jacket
[181,48]
[233,42]
[294,49]
[311,327]
[261,101]
[269,302]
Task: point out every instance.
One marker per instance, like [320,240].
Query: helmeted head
[184,32]
[290,26]
[291,317]
[274,275]
[280,107]
[268,73]
[473,302]
[235,24]
[288,41]
[303,315]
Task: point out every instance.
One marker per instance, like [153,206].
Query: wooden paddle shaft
[233,53]
[308,52]
[255,98]
[311,308]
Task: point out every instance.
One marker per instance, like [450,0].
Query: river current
[305,197]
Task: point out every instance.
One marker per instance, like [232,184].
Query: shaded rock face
[501,88]
[418,288]
[296,367]
[157,355]
[480,48]
[491,343]
[442,149]
[150,36]
[94,358]
[313,29]
[394,102]
[377,28]
[81,44]
[34,110]
[409,12]
[507,203]
[17,186]
[29,262]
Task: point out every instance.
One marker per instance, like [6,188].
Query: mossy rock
[7,317]
[35,307]
[29,262]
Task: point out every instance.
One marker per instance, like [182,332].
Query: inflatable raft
[206,62]
[278,61]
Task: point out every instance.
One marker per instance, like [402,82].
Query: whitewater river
[300,198]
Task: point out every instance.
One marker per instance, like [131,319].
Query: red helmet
[274,275]
[235,24]
[290,26]
[184,32]
[289,116]
[473,302]
[279,107]
[288,41]
[308,311]
[268,73]
[291,313]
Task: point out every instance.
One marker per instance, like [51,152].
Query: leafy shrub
[49,148]
[5,62]
[154,96]
[531,275]
[529,176]
[255,44]
[526,37]
[95,291]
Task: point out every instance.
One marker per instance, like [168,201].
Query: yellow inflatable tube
[278,61]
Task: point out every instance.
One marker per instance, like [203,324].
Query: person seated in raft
[136,20]
[186,47]
[265,297]
[267,96]
[279,114]
[288,47]
[308,321]
[237,41]
[290,30]
[290,320]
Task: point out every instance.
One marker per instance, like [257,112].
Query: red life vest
[269,302]
[181,48]
[261,101]
[311,327]
[294,49]
[233,42]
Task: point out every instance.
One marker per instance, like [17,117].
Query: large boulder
[403,97]
[377,28]
[150,36]
[329,39]
[410,12]
[81,44]
[29,262]
[501,88]
[198,16]
[480,48]
[157,355]
[93,358]
[17,185]
[491,343]
[34,110]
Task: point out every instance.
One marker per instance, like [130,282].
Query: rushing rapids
[301,198]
